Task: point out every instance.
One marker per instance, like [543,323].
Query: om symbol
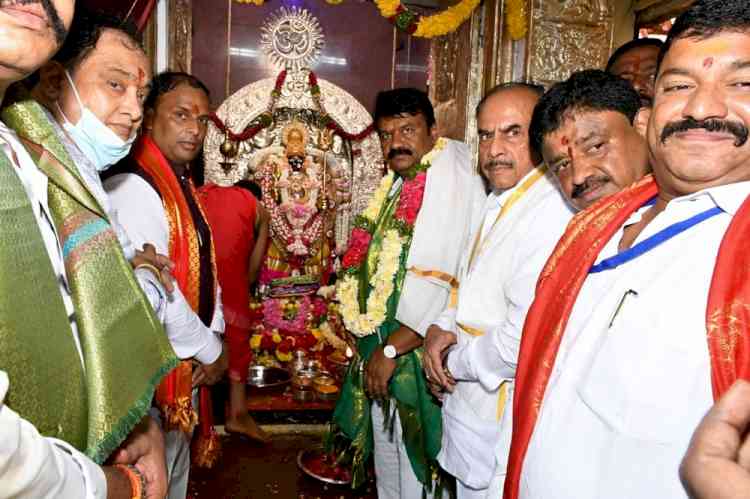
[292,39]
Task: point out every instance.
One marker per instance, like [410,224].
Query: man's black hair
[533,87]
[632,44]
[251,186]
[167,81]
[84,34]
[399,101]
[588,90]
[706,18]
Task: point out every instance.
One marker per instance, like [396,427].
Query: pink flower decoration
[411,199]
[274,317]
[358,244]
[320,307]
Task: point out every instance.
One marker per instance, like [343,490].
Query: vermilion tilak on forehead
[564,141]
[708,62]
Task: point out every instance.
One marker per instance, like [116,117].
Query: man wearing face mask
[156,201]
[97,82]
[81,347]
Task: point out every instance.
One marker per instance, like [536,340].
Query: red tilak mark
[708,62]
[564,141]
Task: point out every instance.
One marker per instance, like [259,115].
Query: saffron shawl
[174,394]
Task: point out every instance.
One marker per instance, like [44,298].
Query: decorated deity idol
[310,146]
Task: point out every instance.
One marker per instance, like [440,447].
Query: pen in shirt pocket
[621,304]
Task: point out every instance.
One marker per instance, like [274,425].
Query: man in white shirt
[101,48]
[432,193]
[156,201]
[638,325]
[523,217]
[33,466]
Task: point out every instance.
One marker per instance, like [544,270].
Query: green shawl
[420,416]
[125,349]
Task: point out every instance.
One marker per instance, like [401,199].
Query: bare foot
[246,425]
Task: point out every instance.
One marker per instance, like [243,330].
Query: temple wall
[563,36]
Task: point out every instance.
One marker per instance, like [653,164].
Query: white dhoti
[177,457]
[475,441]
[394,476]
[177,450]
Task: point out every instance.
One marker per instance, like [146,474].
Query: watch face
[389,351]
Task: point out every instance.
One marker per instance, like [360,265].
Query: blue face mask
[97,141]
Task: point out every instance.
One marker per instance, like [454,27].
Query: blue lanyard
[652,242]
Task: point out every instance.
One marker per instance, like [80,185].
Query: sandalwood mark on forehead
[708,62]
[713,46]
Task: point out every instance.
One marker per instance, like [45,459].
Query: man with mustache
[63,271]
[585,129]
[635,62]
[404,251]
[156,201]
[640,316]
[524,216]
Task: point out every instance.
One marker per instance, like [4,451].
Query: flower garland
[515,18]
[395,236]
[426,26]
[265,119]
[307,235]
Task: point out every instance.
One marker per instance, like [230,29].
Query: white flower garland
[378,197]
[382,281]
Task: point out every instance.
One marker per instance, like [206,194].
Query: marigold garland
[515,18]
[415,24]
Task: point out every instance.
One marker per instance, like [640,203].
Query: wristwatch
[390,351]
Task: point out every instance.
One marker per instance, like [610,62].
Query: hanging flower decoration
[415,24]
[515,18]
[395,236]
[265,119]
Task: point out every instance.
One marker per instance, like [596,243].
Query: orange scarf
[727,314]
[174,394]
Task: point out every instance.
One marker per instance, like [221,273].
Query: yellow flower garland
[515,18]
[437,24]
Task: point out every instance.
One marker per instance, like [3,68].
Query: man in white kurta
[452,197]
[633,375]
[523,217]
